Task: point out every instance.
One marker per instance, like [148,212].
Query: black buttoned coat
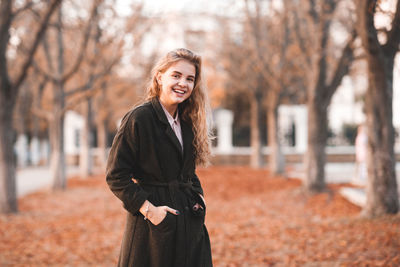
[146,161]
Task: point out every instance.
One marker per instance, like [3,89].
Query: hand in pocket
[157,214]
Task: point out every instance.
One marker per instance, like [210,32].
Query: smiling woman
[159,144]
[176,84]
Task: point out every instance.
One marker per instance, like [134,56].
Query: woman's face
[176,83]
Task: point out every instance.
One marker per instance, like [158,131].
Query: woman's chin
[178,100]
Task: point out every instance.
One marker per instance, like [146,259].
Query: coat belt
[173,186]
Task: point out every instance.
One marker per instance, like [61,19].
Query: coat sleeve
[121,164]
[197,185]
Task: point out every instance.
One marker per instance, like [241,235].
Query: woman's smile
[180,92]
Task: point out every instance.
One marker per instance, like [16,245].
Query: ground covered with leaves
[253,220]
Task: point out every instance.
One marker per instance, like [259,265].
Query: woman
[158,145]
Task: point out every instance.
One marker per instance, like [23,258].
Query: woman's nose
[182,82]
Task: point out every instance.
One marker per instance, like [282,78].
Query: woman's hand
[156,214]
[198,206]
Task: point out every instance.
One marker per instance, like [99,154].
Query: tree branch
[322,55]
[342,67]
[5,23]
[22,9]
[40,91]
[306,55]
[93,78]
[44,114]
[393,36]
[313,12]
[46,49]
[28,61]
[84,44]
[360,57]
[86,94]
[261,65]
[47,75]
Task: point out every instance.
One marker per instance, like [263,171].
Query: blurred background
[284,78]
[290,83]
[302,89]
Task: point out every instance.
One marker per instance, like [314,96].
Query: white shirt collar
[171,120]
[175,124]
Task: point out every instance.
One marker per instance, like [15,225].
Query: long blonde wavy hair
[195,110]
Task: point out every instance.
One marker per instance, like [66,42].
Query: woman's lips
[179,91]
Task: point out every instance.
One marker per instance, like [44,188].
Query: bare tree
[58,76]
[113,89]
[94,98]
[251,73]
[279,72]
[9,88]
[256,36]
[244,85]
[26,123]
[271,42]
[317,56]
[85,157]
[382,195]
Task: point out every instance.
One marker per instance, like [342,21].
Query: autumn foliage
[253,220]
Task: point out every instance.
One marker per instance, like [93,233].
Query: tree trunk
[57,164]
[102,142]
[256,160]
[102,115]
[35,158]
[317,136]
[276,157]
[57,124]
[35,143]
[382,195]
[85,159]
[8,94]
[8,190]
[8,194]
[56,133]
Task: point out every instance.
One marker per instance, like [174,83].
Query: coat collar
[187,133]
[159,110]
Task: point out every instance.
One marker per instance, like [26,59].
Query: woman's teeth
[179,91]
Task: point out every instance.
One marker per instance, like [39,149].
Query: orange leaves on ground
[253,220]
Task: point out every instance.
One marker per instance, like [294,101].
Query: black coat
[147,150]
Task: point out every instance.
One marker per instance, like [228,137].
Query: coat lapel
[168,130]
[187,136]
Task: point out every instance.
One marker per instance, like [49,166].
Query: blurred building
[73,127]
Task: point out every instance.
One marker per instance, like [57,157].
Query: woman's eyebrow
[177,72]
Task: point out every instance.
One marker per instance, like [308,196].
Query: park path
[33,179]
[339,173]
[335,173]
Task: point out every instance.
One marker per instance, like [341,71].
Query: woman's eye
[175,75]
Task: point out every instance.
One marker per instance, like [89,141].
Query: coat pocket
[167,224]
[196,199]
